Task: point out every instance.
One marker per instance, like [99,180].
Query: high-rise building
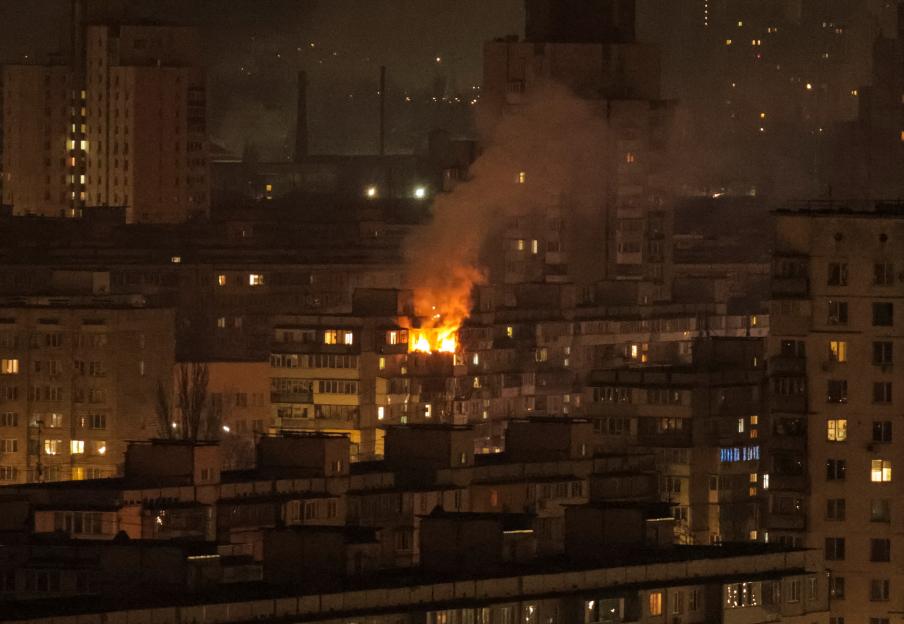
[837,302]
[146,116]
[79,377]
[39,174]
[603,65]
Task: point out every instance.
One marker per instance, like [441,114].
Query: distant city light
[420,192]
[226,428]
[809,86]
[371,191]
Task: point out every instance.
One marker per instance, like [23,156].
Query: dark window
[883,353]
[834,549]
[836,587]
[838,274]
[878,590]
[838,313]
[837,391]
[883,314]
[881,431]
[793,348]
[835,469]
[835,509]
[880,510]
[882,392]
[879,549]
[884,274]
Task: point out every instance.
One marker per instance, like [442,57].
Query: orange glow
[444,307]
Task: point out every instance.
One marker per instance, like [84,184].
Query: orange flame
[445,304]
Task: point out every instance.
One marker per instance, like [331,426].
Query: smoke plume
[543,157]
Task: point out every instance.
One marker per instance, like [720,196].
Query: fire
[443,305]
[434,339]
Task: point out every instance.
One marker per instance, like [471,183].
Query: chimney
[382,110]
[301,127]
[77,36]
[900,32]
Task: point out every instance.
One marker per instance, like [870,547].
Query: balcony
[785,522]
[790,287]
[787,364]
[788,404]
[788,483]
[292,397]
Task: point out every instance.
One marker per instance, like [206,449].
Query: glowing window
[522,177]
[838,351]
[331,337]
[221,280]
[9,367]
[880,471]
[381,412]
[76,447]
[836,429]
[255,279]
[655,603]
[510,331]
[382,363]
[348,338]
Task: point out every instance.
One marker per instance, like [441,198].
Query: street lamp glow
[371,191]
[226,428]
[420,192]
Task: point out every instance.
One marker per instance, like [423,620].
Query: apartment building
[431,511]
[78,380]
[146,122]
[40,104]
[630,222]
[835,312]
[702,423]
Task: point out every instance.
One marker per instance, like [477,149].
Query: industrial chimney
[301,127]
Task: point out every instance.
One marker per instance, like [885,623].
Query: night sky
[254,49]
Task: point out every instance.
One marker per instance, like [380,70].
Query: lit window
[382,363]
[221,322]
[655,603]
[880,471]
[9,367]
[331,337]
[754,420]
[766,481]
[630,157]
[728,42]
[381,412]
[176,260]
[740,425]
[428,410]
[255,279]
[520,244]
[838,351]
[836,429]
[475,359]
[510,331]
[269,188]
[348,338]
[534,246]
[52,447]
[76,447]
[221,280]
[371,192]
[522,177]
